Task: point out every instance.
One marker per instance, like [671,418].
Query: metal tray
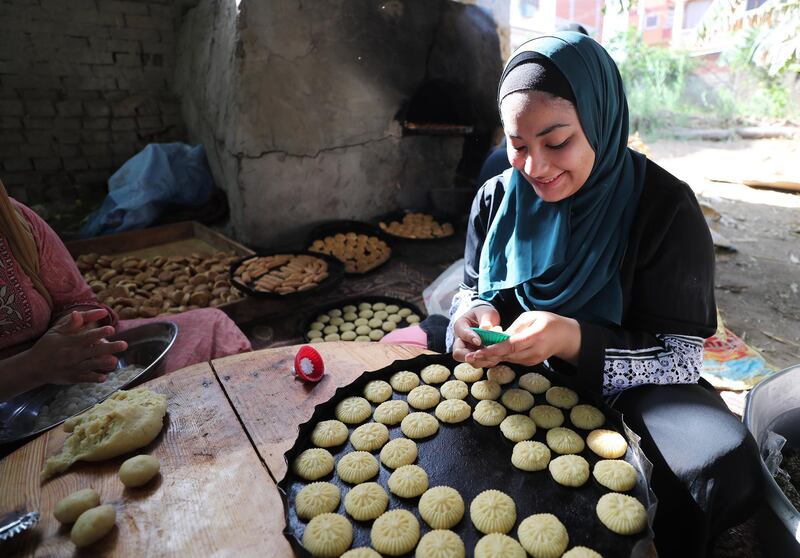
[335,276]
[400,214]
[147,345]
[472,458]
[332,227]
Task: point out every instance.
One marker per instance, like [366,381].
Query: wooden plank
[272,402]
[214,495]
[123,243]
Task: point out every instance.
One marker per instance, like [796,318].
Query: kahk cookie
[547,416]
[399,452]
[313,464]
[497,545]
[569,470]
[366,501]
[440,543]
[357,467]
[543,535]
[489,413]
[615,474]
[622,514]
[586,417]
[518,428]
[353,410]
[501,374]
[493,511]
[329,433]
[563,440]
[435,374]
[315,499]
[530,456]
[328,534]
[394,533]
[467,373]
[607,443]
[370,436]
[408,481]
[419,425]
[441,507]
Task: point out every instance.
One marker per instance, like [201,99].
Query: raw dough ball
[586,417]
[419,425]
[377,391]
[329,433]
[332,337]
[622,514]
[71,507]
[323,318]
[493,511]
[394,533]
[501,374]
[380,314]
[379,306]
[138,470]
[350,316]
[357,467]
[347,327]
[366,501]
[316,326]
[518,428]
[534,383]
[366,314]
[349,308]
[365,306]
[404,312]
[360,322]
[543,535]
[369,437]
[316,340]
[399,452]
[315,499]
[452,411]
[361,552]
[569,470]
[348,336]
[467,373]
[396,318]
[92,525]
[391,412]
[564,441]
[388,326]
[423,397]
[441,507]
[335,313]
[561,397]
[375,323]
[485,389]
[330,329]
[404,381]
[489,413]
[412,319]
[530,456]
[375,335]
[314,334]
[392,308]
[440,543]
[607,443]
[313,464]
[363,338]
[353,410]
[328,535]
[616,475]
[408,481]
[497,545]
[547,416]
[518,400]
[363,330]
[337,321]
[435,374]
[454,389]
[581,552]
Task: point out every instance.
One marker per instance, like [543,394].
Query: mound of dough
[518,428]
[498,545]
[452,411]
[454,389]
[622,514]
[315,499]
[313,464]
[328,534]
[92,525]
[441,507]
[357,467]
[399,452]
[394,533]
[370,436]
[563,440]
[423,397]
[391,412]
[467,373]
[440,543]
[366,501]
[581,552]
[435,374]
[329,433]
[586,417]
[561,397]
[485,389]
[501,374]
[518,400]
[361,552]
[607,443]
[543,535]
[353,410]
[493,511]
[615,474]
[126,421]
[569,470]
[377,391]
[419,425]
[547,416]
[534,383]
[530,456]
[489,413]
[404,381]
[408,481]
[70,508]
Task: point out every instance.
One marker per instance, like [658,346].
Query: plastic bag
[160,175]
[438,295]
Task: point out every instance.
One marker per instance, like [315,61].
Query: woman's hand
[467,341]
[535,337]
[73,350]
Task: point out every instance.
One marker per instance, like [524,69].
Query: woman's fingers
[462,330]
[100,364]
[92,336]
[90,376]
[106,348]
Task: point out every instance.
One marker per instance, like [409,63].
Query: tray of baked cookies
[361,247]
[411,225]
[286,274]
[429,454]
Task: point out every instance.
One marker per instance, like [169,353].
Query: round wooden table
[228,425]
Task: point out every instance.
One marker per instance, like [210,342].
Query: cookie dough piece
[489,413]
[357,467]
[366,501]
[581,552]
[330,329]
[328,535]
[375,335]
[564,441]
[361,552]
[375,323]
[497,545]
[380,314]
[467,373]
[408,481]
[323,318]
[365,306]
[335,313]
[404,381]
[317,340]
[138,470]
[569,470]
[363,330]
[313,464]
[424,397]
[349,308]
[543,535]
[440,543]
[404,312]
[615,474]
[314,334]
[453,411]
[370,436]
[607,443]
[435,374]
[586,417]
[337,321]
[315,499]
[395,533]
[441,507]
[332,337]
[348,336]
[92,525]
[391,412]
[377,391]
[353,410]
[399,452]
[316,326]
[518,400]
[493,511]
[392,308]
[70,508]
[547,416]
[350,317]
[412,319]
[622,514]
[518,428]
[501,374]
[363,338]
[534,383]
[366,314]
[485,389]
[379,306]
[347,327]
[394,318]
[360,322]
[454,389]
[561,397]
[388,326]
[419,425]
[530,456]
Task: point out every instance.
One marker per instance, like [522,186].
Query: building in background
[530,18]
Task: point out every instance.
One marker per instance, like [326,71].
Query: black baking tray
[472,458]
[335,276]
[312,316]
[329,228]
[398,216]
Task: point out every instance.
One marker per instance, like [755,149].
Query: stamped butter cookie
[518,428]
[489,413]
[313,464]
[564,441]
[441,507]
[493,511]
[328,534]
[315,499]
[329,433]
[366,501]
[394,533]
[399,452]
[543,535]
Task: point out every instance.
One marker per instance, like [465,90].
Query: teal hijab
[565,257]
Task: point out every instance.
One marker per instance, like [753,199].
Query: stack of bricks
[84,85]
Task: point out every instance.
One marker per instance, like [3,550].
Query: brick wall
[84,85]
